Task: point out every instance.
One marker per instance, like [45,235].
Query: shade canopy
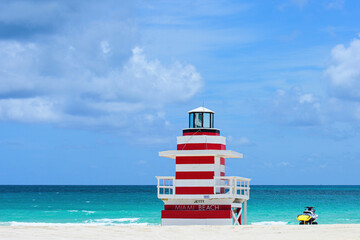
[201,109]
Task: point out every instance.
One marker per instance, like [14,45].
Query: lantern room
[201,118]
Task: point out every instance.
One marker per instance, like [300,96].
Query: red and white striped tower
[200,193]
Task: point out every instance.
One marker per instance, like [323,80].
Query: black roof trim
[212,130]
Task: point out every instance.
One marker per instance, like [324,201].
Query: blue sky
[91,91]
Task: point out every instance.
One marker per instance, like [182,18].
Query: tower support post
[245,212]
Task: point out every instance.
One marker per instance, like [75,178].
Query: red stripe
[201,146]
[195,160]
[222,161]
[196,214]
[222,174]
[201,133]
[237,212]
[194,190]
[194,175]
[214,207]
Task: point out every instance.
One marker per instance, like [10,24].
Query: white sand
[288,232]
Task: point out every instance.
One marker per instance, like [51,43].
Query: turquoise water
[119,205]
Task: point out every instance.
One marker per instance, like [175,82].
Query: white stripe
[222,168]
[217,166]
[195,167]
[194,183]
[201,139]
[196,221]
[192,153]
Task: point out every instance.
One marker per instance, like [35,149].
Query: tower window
[212,120]
[198,120]
[191,120]
[201,120]
[206,120]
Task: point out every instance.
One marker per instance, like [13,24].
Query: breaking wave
[270,223]
[93,222]
[115,221]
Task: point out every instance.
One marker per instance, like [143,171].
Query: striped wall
[201,142]
[194,221]
[195,175]
[220,215]
[198,207]
[196,214]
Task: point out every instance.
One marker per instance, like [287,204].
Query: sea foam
[115,221]
[94,222]
[270,223]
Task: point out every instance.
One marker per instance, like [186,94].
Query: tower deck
[236,188]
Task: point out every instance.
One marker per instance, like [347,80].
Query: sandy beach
[293,232]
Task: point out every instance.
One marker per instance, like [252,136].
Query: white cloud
[242,141]
[154,82]
[336,4]
[306,98]
[30,12]
[29,110]
[300,3]
[344,72]
[105,47]
[295,107]
[85,68]
[140,84]
[338,113]
[284,164]
[141,162]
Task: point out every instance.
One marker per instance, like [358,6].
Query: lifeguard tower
[200,193]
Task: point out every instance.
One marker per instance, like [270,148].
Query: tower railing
[165,187]
[237,187]
[224,187]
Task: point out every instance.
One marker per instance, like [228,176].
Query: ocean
[138,205]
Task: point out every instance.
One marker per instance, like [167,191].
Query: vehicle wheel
[315,223]
[301,223]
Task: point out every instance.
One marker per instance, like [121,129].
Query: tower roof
[201,109]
